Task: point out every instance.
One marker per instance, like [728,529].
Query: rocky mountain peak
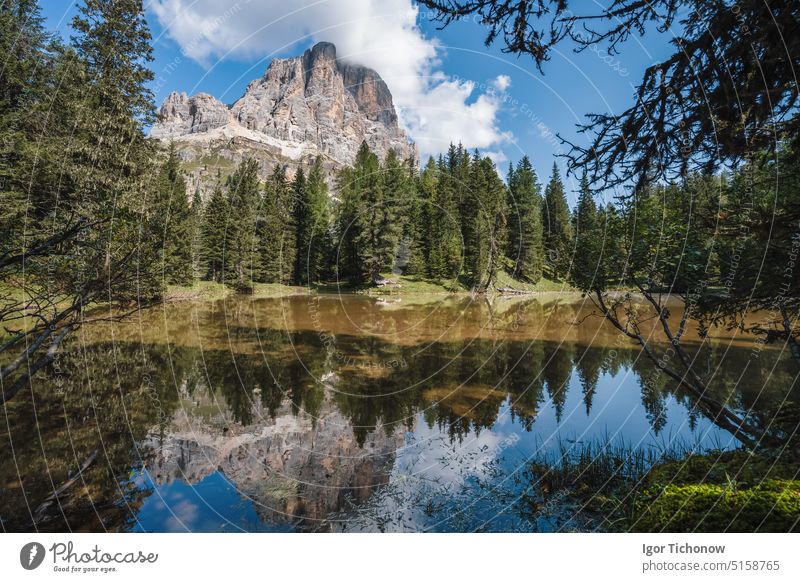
[313,104]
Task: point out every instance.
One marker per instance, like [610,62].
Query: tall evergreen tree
[174,222]
[494,215]
[525,242]
[444,229]
[213,235]
[397,201]
[557,227]
[77,169]
[416,217]
[197,239]
[347,259]
[473,222]
[277,234]
[302,219]
[369,234]
[113,42]
[24,86]
[588,239]
[244,199]
[312,219]
[423,218]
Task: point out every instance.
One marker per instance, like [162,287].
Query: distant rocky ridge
[302,107]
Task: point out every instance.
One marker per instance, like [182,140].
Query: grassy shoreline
[404,285]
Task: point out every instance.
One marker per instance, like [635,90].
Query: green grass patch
[505,281]
[629,490]
[414,284]
[277,290]
[200,291]
[404,285]
[213,291]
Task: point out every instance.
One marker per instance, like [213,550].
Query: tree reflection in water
[345,414]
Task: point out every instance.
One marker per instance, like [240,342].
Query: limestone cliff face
[302,107]
[182,115]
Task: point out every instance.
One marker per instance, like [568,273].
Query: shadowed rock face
[302,107]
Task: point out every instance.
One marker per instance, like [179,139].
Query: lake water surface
[349,413]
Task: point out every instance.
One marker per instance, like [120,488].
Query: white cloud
[383,34]
[502,82]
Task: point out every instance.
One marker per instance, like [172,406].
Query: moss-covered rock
[740,467]
[770,506]
[735,491]
[730,491]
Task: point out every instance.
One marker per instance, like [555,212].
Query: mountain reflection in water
[339,413]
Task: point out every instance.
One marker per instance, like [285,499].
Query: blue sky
[446,83]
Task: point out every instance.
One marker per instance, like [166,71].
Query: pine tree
[588,239]
[25,46]
[369,236]
[302,212]
[197,226]
[525,236]
[241,242]
[444,226]
[347,228]
[277,234]
[75,163]
[369,181]
[213,235]
[557,228]
[396,202]
[615,245]
[113,158]
[315,241]
[473,224]
[494,214]
[413,238]
[173,222]
[423,216]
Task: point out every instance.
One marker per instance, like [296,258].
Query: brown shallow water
[339,413]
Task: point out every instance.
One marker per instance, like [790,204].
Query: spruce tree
[396,204]
[426,184]
[347,260]
[557,227]
[26,73]
[77,174]
[113,159]
[588,239]
[243,192]
[494,216]
[444,226]
[197,226]
[415,212]
[313,231]
[277,234]
[304,225]
[368,247]
[525,243]
[474,225]
[424,216]
[213,235]
[173,222]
